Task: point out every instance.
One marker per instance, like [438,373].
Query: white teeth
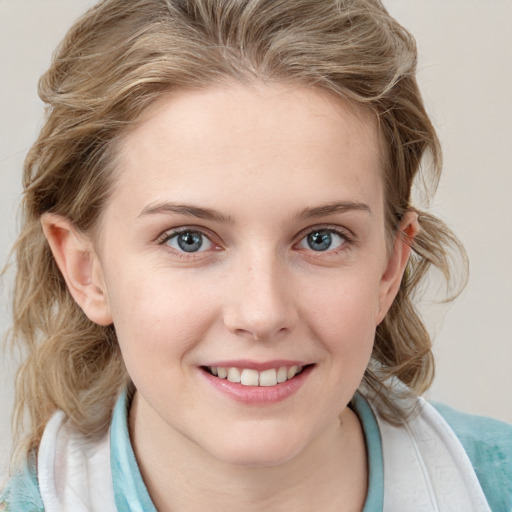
[282,374]
[249,377]
[268,377]
[292,371]
[234,375]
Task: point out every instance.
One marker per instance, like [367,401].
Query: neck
[330,474]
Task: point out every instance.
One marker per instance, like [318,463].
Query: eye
[188,241]
[323,240]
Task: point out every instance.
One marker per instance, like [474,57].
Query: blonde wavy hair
[112,65]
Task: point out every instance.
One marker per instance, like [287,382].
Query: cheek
[157,319]
[344,320]
[347,301]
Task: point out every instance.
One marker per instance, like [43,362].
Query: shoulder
[485,440]
[21,493]
[488,444]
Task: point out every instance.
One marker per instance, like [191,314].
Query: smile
[252,377]
[257,383]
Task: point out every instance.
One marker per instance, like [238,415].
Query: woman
[217,222]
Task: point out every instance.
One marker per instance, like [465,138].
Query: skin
[266,160]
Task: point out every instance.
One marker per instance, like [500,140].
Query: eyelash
[344,234]
[169,235]
[348,239]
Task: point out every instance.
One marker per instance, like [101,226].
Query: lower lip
[258,395]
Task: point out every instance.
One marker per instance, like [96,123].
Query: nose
[261,303]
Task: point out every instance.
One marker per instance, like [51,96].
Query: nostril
[262,311]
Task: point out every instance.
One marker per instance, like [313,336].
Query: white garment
[74,474]
[425,468]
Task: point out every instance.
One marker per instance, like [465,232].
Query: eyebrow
[213,215]
[185,209]
[332,208]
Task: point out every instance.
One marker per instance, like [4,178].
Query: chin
[259,449]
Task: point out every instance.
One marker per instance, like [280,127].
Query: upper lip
[256,365]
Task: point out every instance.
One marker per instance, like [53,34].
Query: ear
[79,265]
[392,276]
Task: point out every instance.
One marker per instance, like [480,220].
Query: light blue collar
[131,493]
[129,489]
[375,497]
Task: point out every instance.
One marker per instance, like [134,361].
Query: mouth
[253,378]
[257,384]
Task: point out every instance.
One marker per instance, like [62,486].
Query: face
[244,243]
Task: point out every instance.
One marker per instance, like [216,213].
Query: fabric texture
[73,471]
[426,468]
[486,443]
[22,492]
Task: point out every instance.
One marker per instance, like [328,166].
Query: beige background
[465,73]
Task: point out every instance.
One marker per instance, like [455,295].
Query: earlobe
[392,277]
[79,265]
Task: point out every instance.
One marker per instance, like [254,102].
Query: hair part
[115,62]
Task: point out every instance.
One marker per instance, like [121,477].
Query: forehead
[208,144]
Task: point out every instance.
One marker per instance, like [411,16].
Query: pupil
[320,240]
[190,241]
